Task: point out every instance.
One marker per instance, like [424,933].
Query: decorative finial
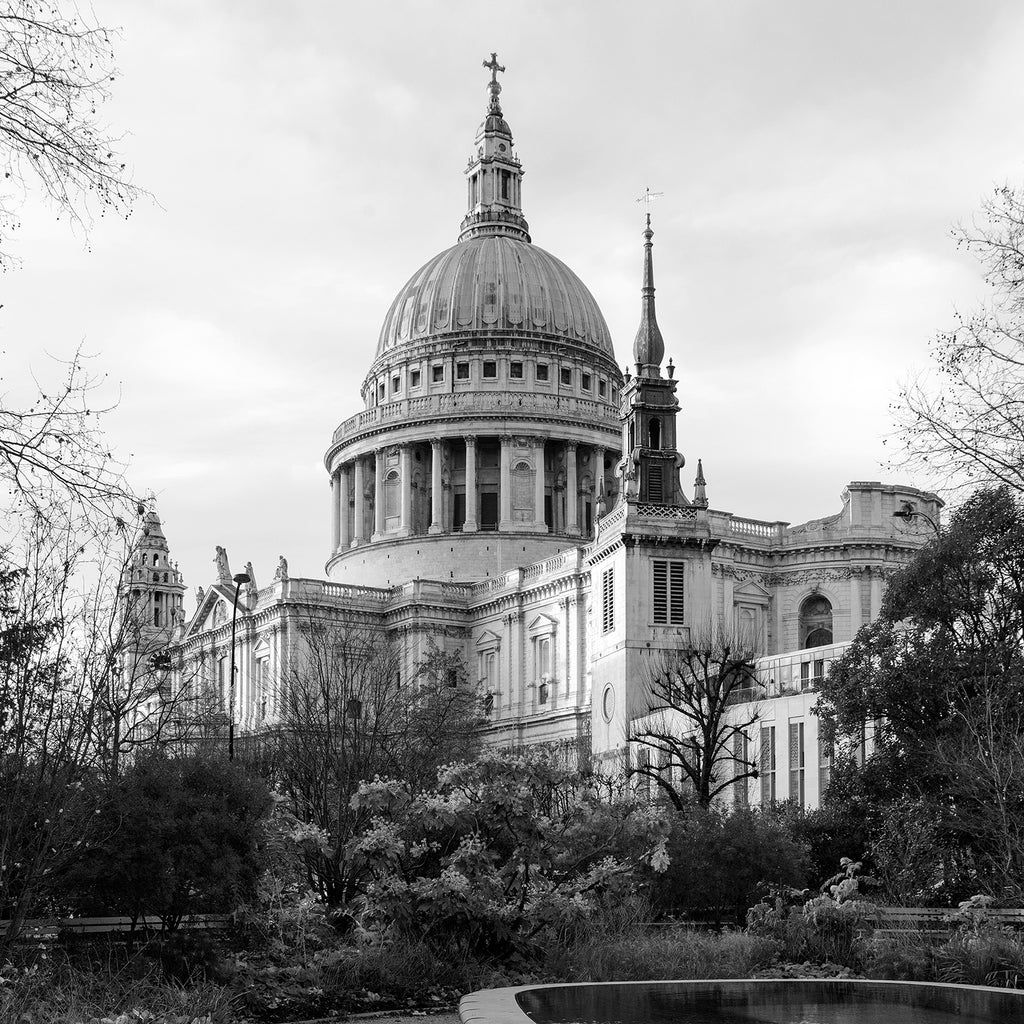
[700,494]
[494,85]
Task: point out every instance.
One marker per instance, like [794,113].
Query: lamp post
[239,579]
[907,513]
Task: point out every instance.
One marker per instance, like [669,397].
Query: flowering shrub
[507,849]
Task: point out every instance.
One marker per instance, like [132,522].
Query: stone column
[335,511]
[538,485]
[876,594]
[470,525]
[343,531]
[405,512]
[855,605]
[505,486]
[572,496]
[378,494]
[359,514]
[598,458]
[436,488]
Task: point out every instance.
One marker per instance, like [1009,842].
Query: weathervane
[494,85]
[647,198]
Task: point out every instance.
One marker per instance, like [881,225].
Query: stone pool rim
[500,1006]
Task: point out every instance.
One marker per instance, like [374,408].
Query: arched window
[816,622]
[654,434]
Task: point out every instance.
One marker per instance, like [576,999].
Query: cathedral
[507,493]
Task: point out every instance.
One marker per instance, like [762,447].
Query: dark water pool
[770,1002]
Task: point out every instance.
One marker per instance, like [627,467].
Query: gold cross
[494,67]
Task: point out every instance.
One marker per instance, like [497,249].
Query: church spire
[494,174]
[648,346]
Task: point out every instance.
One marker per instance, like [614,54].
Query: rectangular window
[396,385]
[643,763]
[437,373]
[824,766]
[805,675]
[819,672]
[515,371]
[542,371]
[608,600]
[462,371]
[414,379]
[490,369]
[586,381]
[766,764]
[741,761]
[796,762]
[380,392]
[566,375]
[602,388]
[668,593]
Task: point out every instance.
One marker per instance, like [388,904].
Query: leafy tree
[699,711]
[965,421]
[179,836]
[719,859]
[942,673]
[509,847]
[55,73]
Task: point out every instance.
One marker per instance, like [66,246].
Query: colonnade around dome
[511,484]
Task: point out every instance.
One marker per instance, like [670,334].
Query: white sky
[306,159]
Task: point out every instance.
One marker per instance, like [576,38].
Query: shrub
[181,838]
[671,953]
[719,860]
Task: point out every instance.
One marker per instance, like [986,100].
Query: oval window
[608,703]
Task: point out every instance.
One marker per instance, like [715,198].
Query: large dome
[495,283]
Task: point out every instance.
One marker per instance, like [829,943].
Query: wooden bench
[936,922]
[50,928]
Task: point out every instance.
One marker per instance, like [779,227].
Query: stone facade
[509,494]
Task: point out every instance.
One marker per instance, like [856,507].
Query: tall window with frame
[741,758]
[824,766]
[766,764]
[608,600]
[796,762]
[667,597]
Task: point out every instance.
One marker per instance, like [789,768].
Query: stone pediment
[488,638]
[542,624]
[750,590]
[207,615]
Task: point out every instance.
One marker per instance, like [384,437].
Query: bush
[53,988]
[989,958]
[718,862]
[181,838]
[672,953]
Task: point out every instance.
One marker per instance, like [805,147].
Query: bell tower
[651,464]
[494,176]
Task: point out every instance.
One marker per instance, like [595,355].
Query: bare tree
[54,460]
[55,73]
[964,422]
[346,715]
[47,719]
[699,713]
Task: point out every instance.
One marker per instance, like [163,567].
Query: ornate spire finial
[648,346]
[494,85]
[700,494]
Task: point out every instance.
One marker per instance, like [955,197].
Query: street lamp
[239,578]
[908,512]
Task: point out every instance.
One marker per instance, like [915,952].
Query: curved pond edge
[501,1006]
